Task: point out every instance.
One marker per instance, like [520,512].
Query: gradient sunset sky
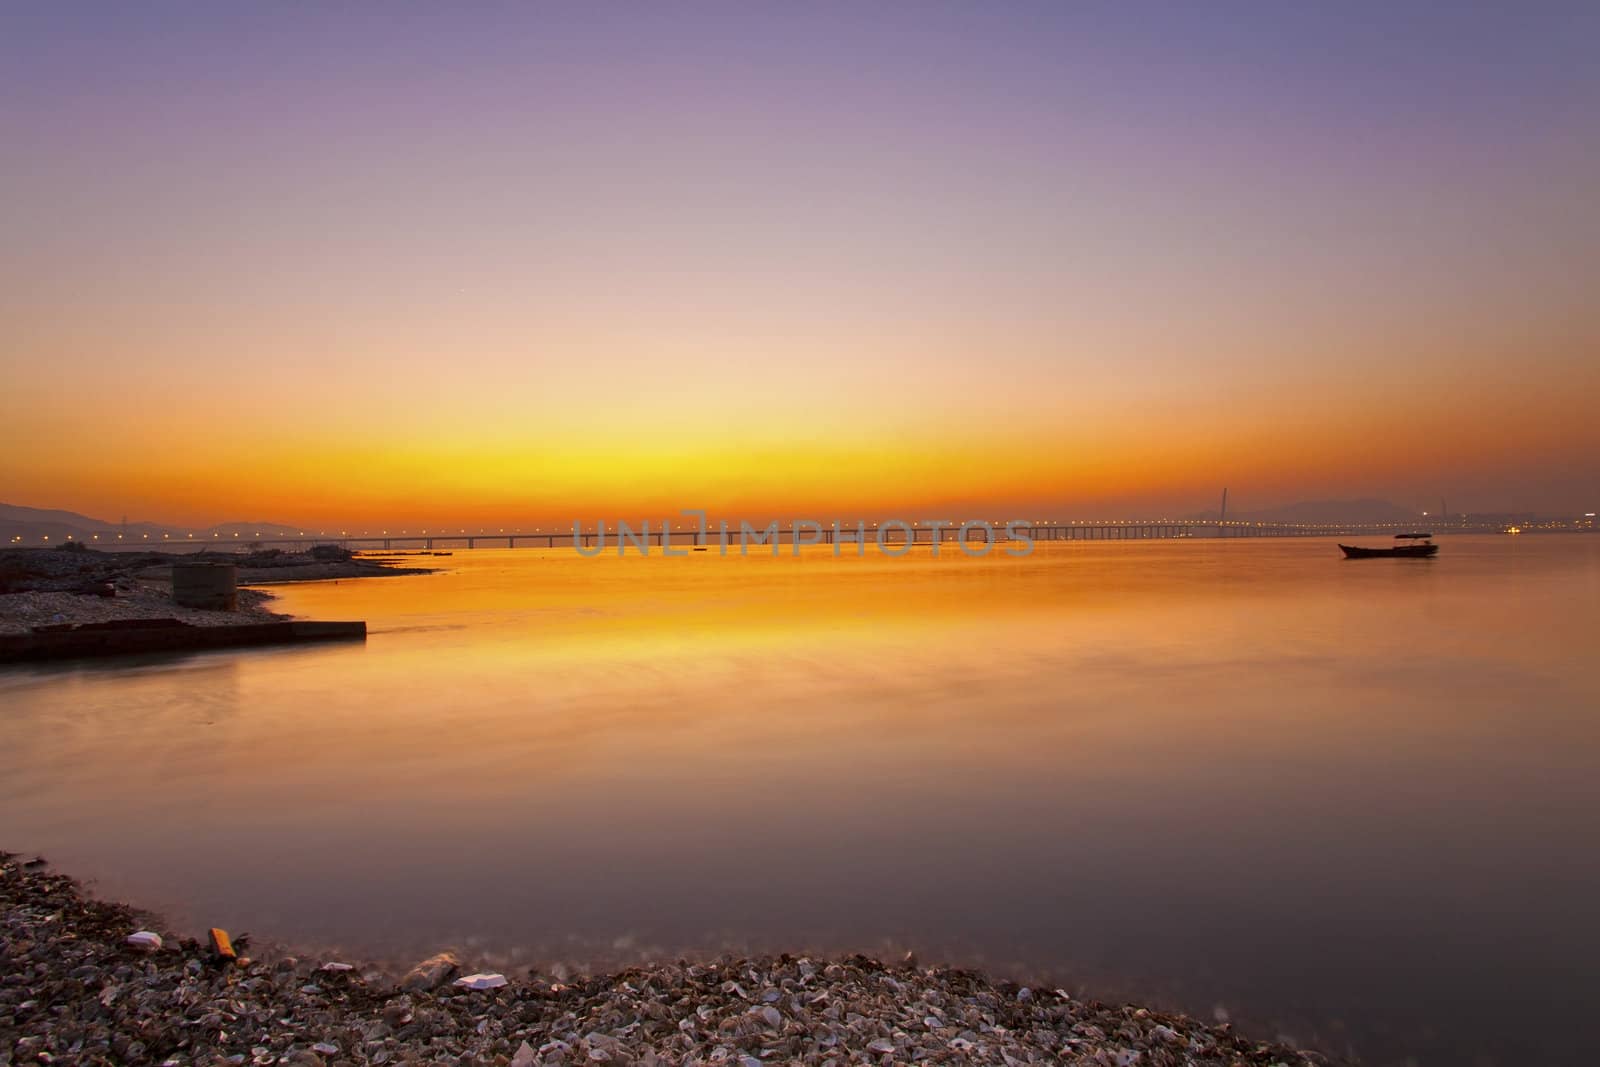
[493,263]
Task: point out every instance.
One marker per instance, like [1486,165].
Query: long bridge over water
[690,535]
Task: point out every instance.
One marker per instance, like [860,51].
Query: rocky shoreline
[51,587]
[73,990]
[22,613]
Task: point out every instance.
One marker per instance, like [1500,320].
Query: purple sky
[1192,237]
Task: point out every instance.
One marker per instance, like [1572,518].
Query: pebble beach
[74,990]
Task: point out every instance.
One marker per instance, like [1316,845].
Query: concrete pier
[146,636]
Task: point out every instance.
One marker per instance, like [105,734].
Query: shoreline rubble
[73,990]
[29,611]
[64,604]
[42,587]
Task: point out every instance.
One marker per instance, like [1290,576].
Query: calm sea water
[1355,803]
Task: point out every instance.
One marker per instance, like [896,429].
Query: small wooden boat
[1417,546]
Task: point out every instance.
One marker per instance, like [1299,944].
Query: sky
[504,263]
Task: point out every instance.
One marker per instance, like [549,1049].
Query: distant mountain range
[1324,511]
[34,525]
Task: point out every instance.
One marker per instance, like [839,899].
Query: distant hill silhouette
[1330,511]
[33,525]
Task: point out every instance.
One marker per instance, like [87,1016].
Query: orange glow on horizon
[298,284]
[1146,464]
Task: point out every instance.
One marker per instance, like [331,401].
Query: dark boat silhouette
[1419,547]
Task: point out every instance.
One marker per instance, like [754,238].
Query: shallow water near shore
[1354,802]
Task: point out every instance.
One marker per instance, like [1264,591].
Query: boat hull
[1402,552]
